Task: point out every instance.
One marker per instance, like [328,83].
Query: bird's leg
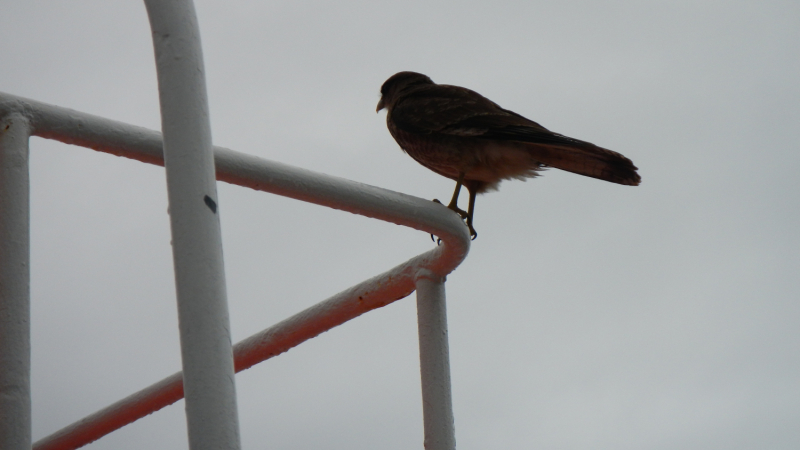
[471,211]
[454,205]
[454,201]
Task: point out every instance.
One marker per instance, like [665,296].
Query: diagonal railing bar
[117,138]
[374,293]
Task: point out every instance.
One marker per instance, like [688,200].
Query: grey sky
[587,316]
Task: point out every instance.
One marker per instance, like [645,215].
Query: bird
[462,135]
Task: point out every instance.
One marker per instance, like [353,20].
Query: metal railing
[192,165]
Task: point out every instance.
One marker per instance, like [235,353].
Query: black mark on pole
[212,205]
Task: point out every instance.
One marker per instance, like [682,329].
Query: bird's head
[397,84]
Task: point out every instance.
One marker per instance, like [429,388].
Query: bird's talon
[472,233]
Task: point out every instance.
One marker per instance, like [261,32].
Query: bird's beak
[380,105]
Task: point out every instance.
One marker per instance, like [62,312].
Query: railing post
[15,330]
[434,357]
[208,376]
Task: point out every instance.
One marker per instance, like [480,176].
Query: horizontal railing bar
[73,127]
[117,138]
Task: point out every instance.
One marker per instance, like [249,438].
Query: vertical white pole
[15,330]
[208,376]
[434,358]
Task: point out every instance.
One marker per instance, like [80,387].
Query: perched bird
[463,135]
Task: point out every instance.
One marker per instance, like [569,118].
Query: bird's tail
[586,159]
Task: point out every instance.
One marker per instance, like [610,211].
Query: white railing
[191,165]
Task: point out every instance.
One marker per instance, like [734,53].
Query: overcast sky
[588,315]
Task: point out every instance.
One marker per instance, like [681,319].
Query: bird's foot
[464,216]
[454,207]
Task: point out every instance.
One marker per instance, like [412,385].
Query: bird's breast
[483,160]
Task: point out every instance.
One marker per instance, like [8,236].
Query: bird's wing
[451,110]
[457,111]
